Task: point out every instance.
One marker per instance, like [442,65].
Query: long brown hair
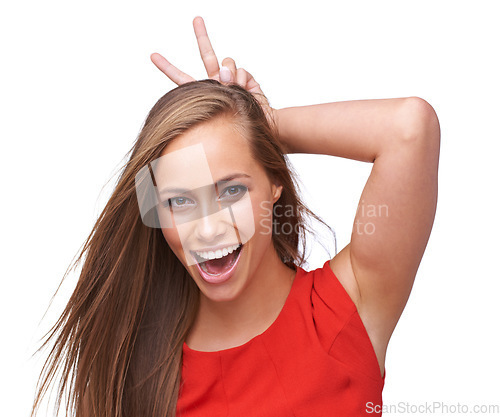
[117,346]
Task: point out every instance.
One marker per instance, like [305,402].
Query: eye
[179,203]
[233,192]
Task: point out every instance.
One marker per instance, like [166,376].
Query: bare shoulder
[342,268]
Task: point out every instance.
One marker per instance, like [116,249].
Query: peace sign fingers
[207,55]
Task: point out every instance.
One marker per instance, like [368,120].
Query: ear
[276,190]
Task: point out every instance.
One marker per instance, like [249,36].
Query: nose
[210,228]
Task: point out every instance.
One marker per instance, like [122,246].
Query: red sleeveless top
[315,360]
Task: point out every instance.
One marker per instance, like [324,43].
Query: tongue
[221,265]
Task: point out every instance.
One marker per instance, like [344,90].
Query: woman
[192,300]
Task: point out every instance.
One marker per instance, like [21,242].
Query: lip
[222,277]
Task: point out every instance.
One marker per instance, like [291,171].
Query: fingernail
[225,74]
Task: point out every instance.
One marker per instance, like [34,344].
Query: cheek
[243,215]
[176,239]
[263,217]
[172,237]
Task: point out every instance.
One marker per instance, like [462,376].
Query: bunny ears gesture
[227,74]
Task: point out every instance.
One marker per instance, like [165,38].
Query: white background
[77,83]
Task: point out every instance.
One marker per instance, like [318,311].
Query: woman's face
[216,207]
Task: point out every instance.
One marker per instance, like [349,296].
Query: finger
[242,77]
[175,74]
[229,63]
[225,75]
[206,51]
[252,85]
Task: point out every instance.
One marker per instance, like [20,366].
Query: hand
[227,74]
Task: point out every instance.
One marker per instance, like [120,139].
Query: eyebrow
[227,178]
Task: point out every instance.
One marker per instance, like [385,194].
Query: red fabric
[315,360]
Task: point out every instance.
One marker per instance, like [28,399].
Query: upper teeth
[219,253]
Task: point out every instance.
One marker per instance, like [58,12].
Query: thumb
[225,74]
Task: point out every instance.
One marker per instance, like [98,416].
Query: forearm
[358,129]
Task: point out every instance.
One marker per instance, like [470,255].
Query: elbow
[419,122]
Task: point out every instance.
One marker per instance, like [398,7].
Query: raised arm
[394,219]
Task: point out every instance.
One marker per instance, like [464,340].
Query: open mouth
[218,262]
